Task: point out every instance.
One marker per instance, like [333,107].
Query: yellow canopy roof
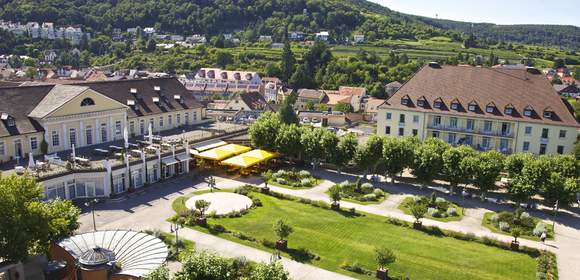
[224,152]
[248,159]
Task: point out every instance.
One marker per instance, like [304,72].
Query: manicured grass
[339,238]
[274,183]
[486,222]
[404,206]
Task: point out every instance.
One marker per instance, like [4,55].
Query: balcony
[470,130]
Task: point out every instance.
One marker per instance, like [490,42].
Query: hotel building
[508,109]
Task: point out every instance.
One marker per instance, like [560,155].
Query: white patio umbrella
[126,137]
[150,133]
[31,164]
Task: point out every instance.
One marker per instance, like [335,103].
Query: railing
[473,131]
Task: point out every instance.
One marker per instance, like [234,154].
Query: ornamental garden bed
[438,208]
[294,179]
[361,193]
[504,222]
[339,240]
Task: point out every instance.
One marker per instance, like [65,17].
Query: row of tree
[555,178]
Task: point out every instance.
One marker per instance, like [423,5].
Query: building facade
[508,110]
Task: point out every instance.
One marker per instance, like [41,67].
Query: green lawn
[339,238]
[404,206]
[486,222]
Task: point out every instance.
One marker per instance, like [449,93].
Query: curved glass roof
[138,253]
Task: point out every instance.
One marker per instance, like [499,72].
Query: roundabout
[221,202]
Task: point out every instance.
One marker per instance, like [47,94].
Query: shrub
[304,173]
[305,200]
[344,184]
[243,236]
[539,229]
[256,202]
[433,211]
[217,228]
[452,211]
[367,186]
[525,215]
[370,197]
[355,267]
[281,181]
[494,219]
[417,199]
[306,182]
[504,226]
[378,192]
[440,200]
[268,243]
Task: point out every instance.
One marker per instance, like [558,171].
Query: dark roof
[169,87]
[18,102]
[255,101]
[520,88]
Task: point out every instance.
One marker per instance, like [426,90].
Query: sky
[492,11]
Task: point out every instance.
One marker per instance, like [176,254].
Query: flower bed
[293,179]
[531,227]
[438,208]
[364,193]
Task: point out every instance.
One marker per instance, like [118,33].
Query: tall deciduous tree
[288,62]
[453,171]
[484,168]
[369,155]
[263,132]
[288,140]
[428,160]
[344,152]
[28,224]
[398,153]
[316,143]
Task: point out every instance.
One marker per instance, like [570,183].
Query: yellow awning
[248,159]
[223,152]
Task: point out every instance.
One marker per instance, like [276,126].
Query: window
[161,121]
[438,104]
[55,139]
[490,109]
[388,130]
[11,121]
[170,120]
[542,149]
[401,131]
[2,149]
[404,101]
[402,118]
[455,106]
[33,143]
[103,132]
[186,117]
[560,150]
[468,140]
[435,134]
[545,133]
[562,134]
[415,119]
[528,130]
[389,116]
[470,124]
[472,107]
[194,116]
[528,112]
[508,111]
[415,132]
[503,145]
[132,127]
[451,138]
[487,126]
[89,135]
[87,102]
[453,122]
[421,103]
[547,114]
[72,137]
[118,128]
[142,126]
[437,121]
[178,119]
[526,146]
[485,143]
[506,129]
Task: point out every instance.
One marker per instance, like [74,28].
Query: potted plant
[516,232]
[282,230]
[202,206]
[335,195]
[384,257]
[418,210]
[266,176]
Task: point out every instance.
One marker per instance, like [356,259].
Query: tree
[288,140]
[267,176]
[223,59]
[302,78]
[287,63]
[369,155]
[384,257]
[398,153]
[287,113]
[202,206]
[427,160]
[204,266]
[264,131]
[453,172]
[317,143]
[269,271]
[341,154]
[160,273]
[556,80]
[344,107]
[418,210]
[282,229]
[335,194]
[560,189]
[151,45]
[514,163]
[484,168]
[559,63]
[28,224]
[516,232]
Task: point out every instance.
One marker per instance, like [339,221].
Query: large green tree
[369,155]
[344,152]
[28,224]
[288,140]
[453,171]
[398,153]
[288,62]
[264,130]
[484,169]
[428,160]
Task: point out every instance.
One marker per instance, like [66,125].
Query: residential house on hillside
[295,35]
[322,36]
[248,101]
[307,97]
[371,108]
[272,89]
[565,90]
[358,38]
[510,110]
[214,78]
[392,87]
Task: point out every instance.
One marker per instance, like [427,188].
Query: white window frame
[72,137]
[2,148]
[55,136]
[33,143]
[89,135]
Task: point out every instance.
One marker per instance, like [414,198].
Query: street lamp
[92,204]
[211,183]
[174,227]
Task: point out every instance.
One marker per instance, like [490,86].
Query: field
[339,238]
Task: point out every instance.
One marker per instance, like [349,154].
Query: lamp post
[211,183]
[92,204]
[174,227]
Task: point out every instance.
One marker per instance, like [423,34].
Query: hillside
[266,17]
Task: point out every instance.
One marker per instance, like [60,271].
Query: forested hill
[268,17]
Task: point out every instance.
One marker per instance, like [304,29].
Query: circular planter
[201,221]
[282,245]
[417,225]
[335,206]
[265,190]
[515,245]
[382,273]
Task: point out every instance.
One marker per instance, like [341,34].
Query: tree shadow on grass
[301,255]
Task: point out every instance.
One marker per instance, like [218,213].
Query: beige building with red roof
[504,109]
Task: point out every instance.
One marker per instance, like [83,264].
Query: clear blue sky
[493,11]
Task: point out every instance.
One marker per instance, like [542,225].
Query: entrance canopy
[224,152]
[248,159]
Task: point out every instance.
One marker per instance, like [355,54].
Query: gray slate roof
[56,97]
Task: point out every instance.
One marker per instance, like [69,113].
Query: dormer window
[437,104]
[130,102]
[156,99]
[509,109]
[472,106]
[133,90]
[528,111]
[455,105]
[490,108]
[158,88]
[11,122]
[177,97]
[87,102]
[405,100]
[422,102]
[548,113]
